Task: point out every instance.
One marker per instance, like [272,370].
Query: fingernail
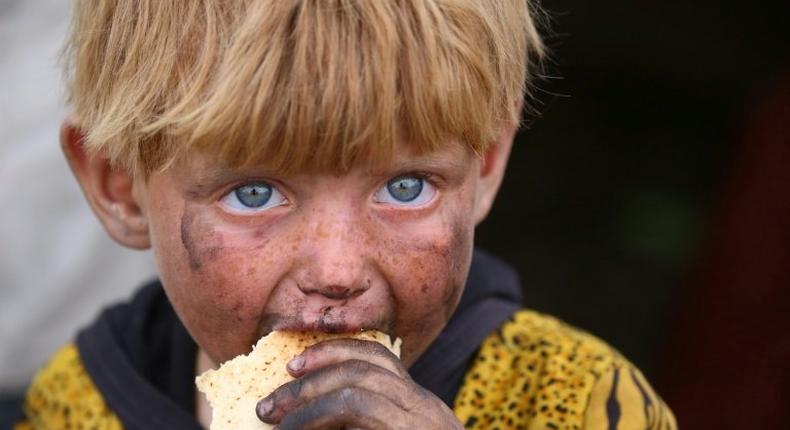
[264,408]
[296,364]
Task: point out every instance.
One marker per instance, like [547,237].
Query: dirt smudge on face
[187,241]
[200,241]
[458,257]
[332,321]
[452,296]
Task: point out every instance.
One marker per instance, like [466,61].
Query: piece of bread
[235,388]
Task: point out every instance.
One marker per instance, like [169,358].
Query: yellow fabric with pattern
[62,396]
[533,373]
[537,373]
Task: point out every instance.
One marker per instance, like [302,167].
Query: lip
[328,321]
[324,327]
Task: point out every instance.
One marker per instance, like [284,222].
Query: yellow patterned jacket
[531,371]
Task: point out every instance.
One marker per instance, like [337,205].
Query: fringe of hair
[297,84]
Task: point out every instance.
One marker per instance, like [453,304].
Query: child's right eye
[253,197]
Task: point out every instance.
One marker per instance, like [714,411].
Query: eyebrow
[212,175]
[203,182]
[454,160]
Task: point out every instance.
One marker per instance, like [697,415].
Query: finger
[347,408]
[338,350]
[352,373]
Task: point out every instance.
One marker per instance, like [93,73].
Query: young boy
[316,165]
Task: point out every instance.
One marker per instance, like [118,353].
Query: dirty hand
[348,383]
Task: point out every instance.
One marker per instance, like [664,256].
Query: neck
[202,408]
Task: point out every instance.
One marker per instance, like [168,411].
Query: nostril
[336,292]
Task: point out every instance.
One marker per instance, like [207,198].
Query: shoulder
[537,372]
[62,395]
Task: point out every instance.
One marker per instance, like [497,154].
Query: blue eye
[406,190]
[253,197]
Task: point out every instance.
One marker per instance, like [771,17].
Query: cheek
[455,258]
[428,273]
[218,279]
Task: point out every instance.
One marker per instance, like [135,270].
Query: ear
[492,170]
[109,191]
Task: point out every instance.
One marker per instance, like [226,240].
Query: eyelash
[429,177]
[229,193]
[433,182]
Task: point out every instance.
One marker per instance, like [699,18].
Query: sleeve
[63,396]
[622,399]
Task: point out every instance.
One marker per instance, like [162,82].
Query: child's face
[243,252]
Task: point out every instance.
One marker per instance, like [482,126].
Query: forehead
[450,155]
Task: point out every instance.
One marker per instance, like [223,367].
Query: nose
[335,264]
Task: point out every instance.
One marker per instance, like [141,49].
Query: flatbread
[235,388]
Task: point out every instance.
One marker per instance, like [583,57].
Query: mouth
[328,320]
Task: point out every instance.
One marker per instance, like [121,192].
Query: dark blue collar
[492,294]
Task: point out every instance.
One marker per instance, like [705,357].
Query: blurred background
[648,203]
[57,266]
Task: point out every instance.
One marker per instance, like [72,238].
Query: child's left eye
[406,190]
[253,197]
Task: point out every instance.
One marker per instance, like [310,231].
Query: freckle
[213,252]
[259,232]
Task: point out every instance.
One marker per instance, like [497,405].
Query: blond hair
[298,83]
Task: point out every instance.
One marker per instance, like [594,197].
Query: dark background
[607,205]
